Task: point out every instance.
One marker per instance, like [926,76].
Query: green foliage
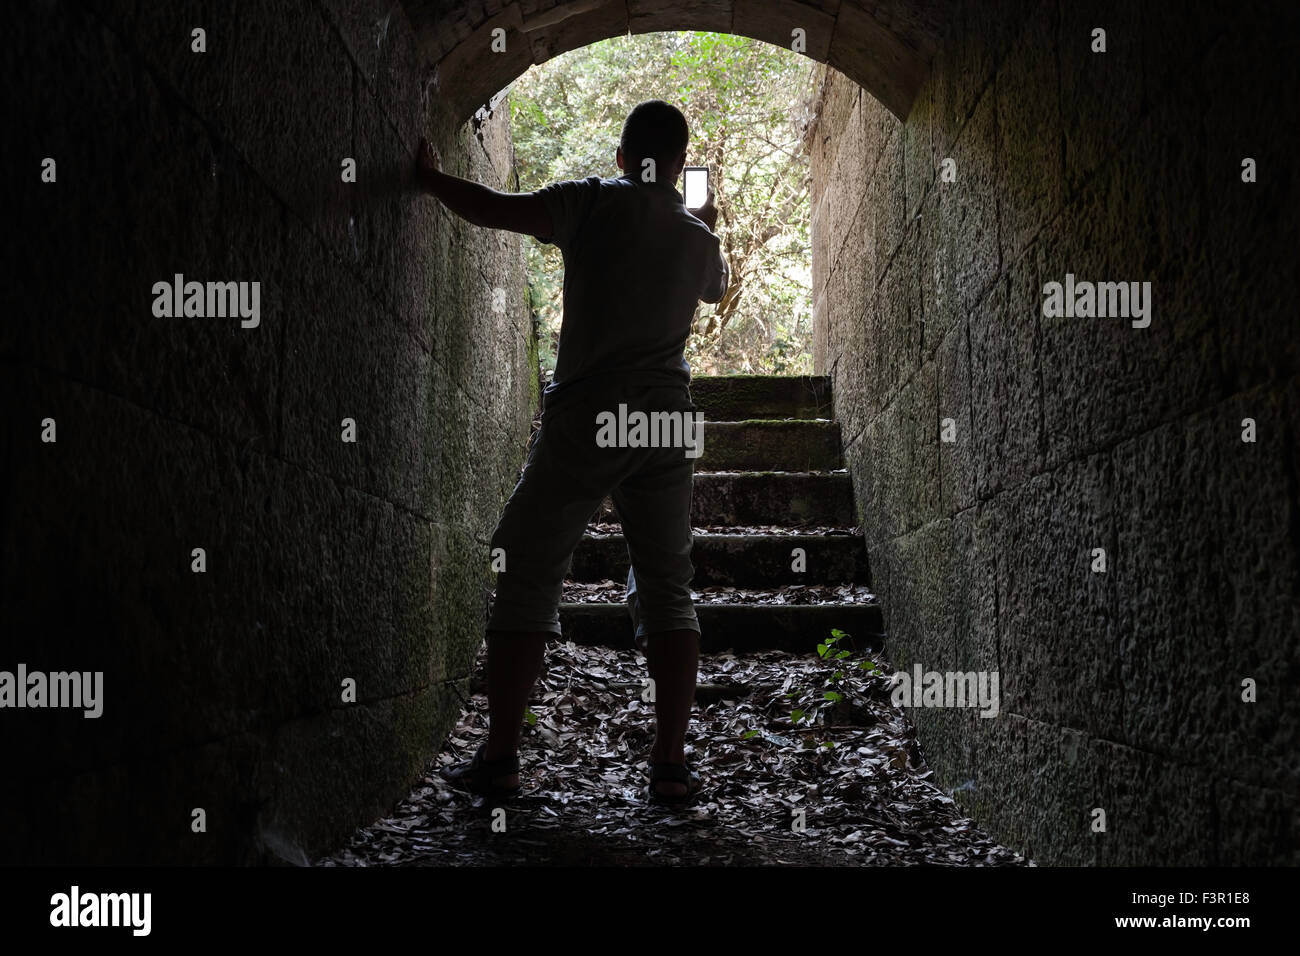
[745,102]
[838,692]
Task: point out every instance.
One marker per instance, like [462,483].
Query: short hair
[655,130]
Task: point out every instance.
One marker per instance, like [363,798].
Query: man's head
[654,130]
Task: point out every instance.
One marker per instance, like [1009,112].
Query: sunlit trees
[746,103]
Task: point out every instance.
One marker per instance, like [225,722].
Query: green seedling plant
[835,695]
[810,706]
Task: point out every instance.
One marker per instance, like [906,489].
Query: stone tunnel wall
[325,560]
[1120,690]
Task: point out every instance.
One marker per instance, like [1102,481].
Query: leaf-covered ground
[856,779]
[615,592]
[605,529]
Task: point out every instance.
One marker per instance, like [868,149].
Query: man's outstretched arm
[479,204]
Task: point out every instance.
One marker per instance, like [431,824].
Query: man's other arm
[720,275]
[720,279]
[482,205]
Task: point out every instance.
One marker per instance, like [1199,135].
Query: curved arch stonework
[885,46]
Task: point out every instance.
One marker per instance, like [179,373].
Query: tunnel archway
[204,532]
[477,50]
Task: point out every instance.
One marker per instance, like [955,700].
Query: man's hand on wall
[427,162]
[479,204]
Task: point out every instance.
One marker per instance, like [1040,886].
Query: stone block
[653,16]
[1035,788]
[321,770]
[1083,410]
[845,197]
[382,43]
[293,114]
[1256,827]
[162,35]
[939,309]
[578,30]
[918,151]
[968,207]
[957,458]
[1101,93]
[470,71]
[1058,636]
[878,125]
[849,319]
[977,37]
[775,23]
[347,358]
[1006,437]
[873,55]
[895,334]
[153,800]
[1249,228]
[1156,810]
[1197,612]
[886,201]
[123,498]
[819,228]
[367,230]
[904,442]
[1030,177]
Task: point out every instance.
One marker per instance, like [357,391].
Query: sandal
[673,773]
[476,775]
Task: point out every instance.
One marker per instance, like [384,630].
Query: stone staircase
[772,466]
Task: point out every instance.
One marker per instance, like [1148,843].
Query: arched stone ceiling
[885,46]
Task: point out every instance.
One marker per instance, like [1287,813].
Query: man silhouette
[636,263]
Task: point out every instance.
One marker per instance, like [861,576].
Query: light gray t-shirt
[636,263]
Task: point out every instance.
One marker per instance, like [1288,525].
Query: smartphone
[696,185]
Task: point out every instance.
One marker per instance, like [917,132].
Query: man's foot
[488,778]
[673,784]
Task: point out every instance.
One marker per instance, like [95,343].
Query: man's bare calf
[515,660]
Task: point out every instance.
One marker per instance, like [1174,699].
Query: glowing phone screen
[697,186]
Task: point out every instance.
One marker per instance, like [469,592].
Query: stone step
[814,499]
[738,560]
[739,627]
[730,398]
[795,499]
[760,445]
